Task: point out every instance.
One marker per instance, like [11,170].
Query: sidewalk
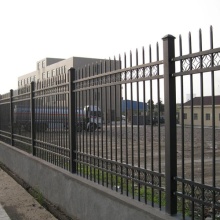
[17,204]
[3,214]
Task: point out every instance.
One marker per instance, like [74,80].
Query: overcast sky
[34,29]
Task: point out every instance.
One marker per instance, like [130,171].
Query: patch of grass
[123,185]
[127,186]
[38,196]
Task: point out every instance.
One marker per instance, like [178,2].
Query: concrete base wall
[75,196]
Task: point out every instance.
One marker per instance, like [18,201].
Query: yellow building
[197,110]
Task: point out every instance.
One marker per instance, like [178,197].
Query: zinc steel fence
[145,127]
[125,156]
[197,179]
[35,118]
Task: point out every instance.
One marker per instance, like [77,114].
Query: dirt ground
[20,204]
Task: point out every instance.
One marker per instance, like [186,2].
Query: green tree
[159,106]
[151,106]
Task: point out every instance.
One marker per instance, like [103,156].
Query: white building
[49,67]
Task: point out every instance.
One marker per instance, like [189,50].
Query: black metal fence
[35,119]
[163,150]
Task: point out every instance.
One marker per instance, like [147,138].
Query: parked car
[162,120]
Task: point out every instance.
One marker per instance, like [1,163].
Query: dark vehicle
[144,120]
[88,118]
[162,120]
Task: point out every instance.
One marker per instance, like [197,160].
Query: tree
[150,105]
[159,107]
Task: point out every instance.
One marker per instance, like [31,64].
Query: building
[134,109]
[135,105]
[51,67]
[207,107]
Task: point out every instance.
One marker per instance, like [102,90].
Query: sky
[34,29]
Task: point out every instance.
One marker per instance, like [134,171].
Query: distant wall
[75,196]
[129,104]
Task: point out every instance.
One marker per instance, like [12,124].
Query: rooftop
[207,100]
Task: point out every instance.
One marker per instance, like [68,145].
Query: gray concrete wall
[76,196]
[50,61]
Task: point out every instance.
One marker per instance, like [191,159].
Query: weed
[38,196]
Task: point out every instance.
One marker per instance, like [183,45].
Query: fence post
[32,106]
[72,122]
[170,124]
[11,117]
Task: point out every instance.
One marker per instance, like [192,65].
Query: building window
[43,76]
[18,83]
[38,66]
[99,96]
[195,116]
[207,117]
[58,71]
[64,69]
[61,70]
[48,74]
[53,73]
[43,64]
[185,115]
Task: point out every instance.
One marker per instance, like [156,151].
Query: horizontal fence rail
[198,185]
[35,119]
[121,153]
[146,128]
